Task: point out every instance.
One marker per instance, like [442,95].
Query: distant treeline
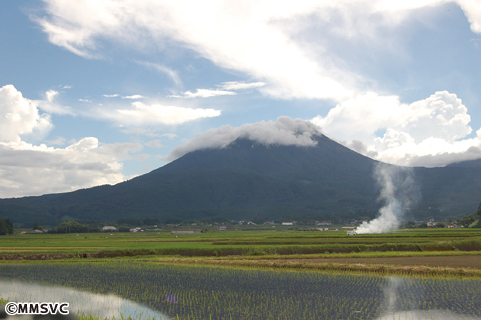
[74,227]
[6,226]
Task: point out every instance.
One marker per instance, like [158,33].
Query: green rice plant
[217,293]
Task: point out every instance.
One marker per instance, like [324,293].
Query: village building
[189,231]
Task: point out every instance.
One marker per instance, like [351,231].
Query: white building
[109,228]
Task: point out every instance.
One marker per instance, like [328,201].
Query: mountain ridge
[247,179]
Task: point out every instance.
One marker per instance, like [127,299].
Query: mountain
[247,179]
[468,163]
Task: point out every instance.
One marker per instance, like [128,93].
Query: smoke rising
[399,192]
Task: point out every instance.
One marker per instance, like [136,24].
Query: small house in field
[288,223]
[189,231]
[225,227]
[36,231]
[109,228]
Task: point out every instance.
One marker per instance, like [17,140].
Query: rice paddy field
[253,242]
[247,274]
[182,292]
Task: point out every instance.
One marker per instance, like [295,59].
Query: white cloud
[110,95]
[163,69]
[59,141]
[254,37]
[51,94]
[203,93]
[19,115]
[133,97]
[85,100]
[415,134]
[235,85]
[27,169]
[154,144]
[49,105]
[142,114]
[284,131]
[169,135]
[150,132]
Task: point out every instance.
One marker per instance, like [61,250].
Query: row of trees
[6,226]
[73,227]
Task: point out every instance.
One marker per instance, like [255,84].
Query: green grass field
[253,242]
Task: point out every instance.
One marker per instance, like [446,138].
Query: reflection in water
[219,294]
[400,295]
[427,315]
[104,306]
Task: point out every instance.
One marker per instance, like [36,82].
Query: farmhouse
[225,227]
[288,223]
[109,228]
[36,231]
[189,231]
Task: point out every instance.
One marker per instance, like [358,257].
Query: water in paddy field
[216,293]
[101,305]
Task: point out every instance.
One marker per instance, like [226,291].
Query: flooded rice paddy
[168,292]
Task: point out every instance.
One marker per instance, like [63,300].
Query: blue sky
[96,92]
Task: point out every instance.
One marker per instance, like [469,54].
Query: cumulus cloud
[59,141]
[27,169]
[20,116]
[284,131]
[428,132]
[142,114]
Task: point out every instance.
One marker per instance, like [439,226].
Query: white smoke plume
[399,191]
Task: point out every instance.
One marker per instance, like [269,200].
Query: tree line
[6,226]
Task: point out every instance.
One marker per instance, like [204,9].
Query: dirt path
[473,261]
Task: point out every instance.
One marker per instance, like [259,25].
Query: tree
[35,225]
[6,226]
[466,221]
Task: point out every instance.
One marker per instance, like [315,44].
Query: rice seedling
[185,292]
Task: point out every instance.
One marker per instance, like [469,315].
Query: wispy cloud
[149,132]
[141,114]
[235,85]
[163,69]
[203,93]
[133,97]
[84,100]
[111,95]
[154,144]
